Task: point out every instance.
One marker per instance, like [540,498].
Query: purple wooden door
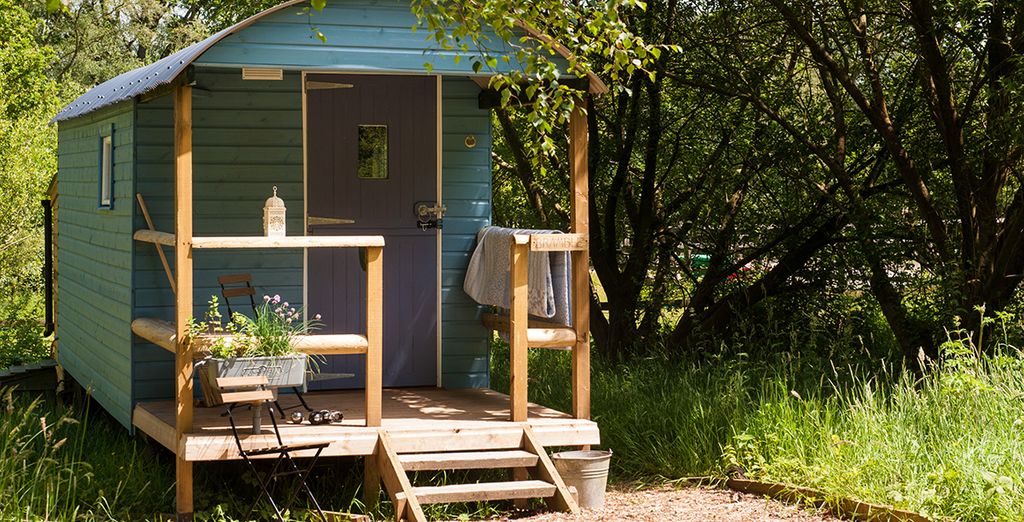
[371,158]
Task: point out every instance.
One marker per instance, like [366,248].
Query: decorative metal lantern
[274,216]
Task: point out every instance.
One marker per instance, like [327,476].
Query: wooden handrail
[239,242]
[161,333]
[287,242]
[154,236]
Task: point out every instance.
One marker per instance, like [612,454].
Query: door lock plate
[429,215]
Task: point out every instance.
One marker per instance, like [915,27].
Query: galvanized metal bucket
[587,471]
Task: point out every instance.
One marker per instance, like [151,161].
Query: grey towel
[487,277]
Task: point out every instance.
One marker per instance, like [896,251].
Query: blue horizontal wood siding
[238,159]
[95,248]
[247,138]
[361,35]
[466,191]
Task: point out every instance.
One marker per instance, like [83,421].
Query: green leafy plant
[268,334]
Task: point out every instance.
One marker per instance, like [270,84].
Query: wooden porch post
[518,326]
[578,164]
[374,333]
[183,298]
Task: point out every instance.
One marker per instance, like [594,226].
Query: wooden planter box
[281,372]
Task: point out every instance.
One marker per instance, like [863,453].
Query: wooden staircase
[533,473]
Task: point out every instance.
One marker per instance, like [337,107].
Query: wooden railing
[163,333]
[525,333]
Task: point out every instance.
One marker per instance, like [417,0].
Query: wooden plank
[371,482]
[484,491]
[518,330]
[234,279]
[374,333]
[154,236]
[418,420]
[228,293]
[550,337]
[561,500]
[247,396]
[162,334]
[241,242]
[558,242]
[331,344]
[153,426]
[251,381]
[468,460]
[159,247]
[397,482]
[580,224]
[183,297]
[540,334]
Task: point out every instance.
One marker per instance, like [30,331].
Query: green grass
[949,445]
[57,464]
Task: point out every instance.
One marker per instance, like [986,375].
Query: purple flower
[266,298]
[277,298]
[317,317]
[285,304]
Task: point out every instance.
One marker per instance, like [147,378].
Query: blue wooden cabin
[366,148]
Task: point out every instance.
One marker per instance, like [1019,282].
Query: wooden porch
[392,427]
[417,420]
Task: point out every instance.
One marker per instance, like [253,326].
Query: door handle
[314,221]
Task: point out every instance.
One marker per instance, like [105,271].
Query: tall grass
[948,445]
[57,465]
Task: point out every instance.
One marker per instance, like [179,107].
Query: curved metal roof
[164,71]
[145,79]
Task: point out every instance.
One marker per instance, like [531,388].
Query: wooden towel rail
[525,333]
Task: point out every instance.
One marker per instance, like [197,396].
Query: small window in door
[106,195]
[373,152]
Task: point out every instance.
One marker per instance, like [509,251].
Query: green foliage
[947,445]
[27,163]
[20,341]
[269,333]
[59,464]
[535,31]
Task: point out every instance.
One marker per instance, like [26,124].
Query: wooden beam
[518,330]
[288,242]
[330,344]
[155,427]
[540,334]
[558,242]
[162,334]
[155,237]
[374,333]
[183,298]
[159,247]
[580,224]
[399,488]
[545,470]
[371,482]
[500,322]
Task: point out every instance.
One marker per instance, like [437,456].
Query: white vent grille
[262,74]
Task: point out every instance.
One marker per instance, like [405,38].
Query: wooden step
[482,492]
[468,460]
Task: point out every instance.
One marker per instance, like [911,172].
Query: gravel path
[665,503]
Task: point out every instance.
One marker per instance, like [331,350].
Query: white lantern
[274,216]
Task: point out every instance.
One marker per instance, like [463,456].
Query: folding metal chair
[253,391]
[228,291]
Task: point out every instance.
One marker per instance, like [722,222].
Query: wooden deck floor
[416,419]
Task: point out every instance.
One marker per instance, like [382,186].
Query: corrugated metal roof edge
[145,79]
